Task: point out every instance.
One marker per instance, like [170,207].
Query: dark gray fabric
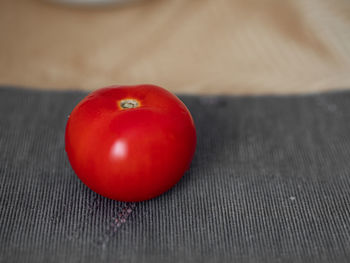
[270,182]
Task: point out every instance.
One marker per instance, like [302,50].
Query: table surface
[221,46]
[269,182]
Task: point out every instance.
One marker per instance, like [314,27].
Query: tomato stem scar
[129,104]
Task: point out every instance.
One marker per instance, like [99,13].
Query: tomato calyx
[128,104]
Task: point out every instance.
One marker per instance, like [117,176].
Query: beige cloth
[196,46]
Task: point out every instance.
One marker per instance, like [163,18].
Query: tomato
[130,143]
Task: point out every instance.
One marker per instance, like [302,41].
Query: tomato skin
[130,154]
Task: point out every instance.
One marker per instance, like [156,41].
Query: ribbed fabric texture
[270,182]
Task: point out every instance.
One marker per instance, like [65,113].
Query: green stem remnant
[129,104]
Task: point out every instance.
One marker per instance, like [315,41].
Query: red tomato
[130,143]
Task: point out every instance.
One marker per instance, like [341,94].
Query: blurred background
[187,46]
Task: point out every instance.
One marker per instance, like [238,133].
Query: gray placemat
[270,182]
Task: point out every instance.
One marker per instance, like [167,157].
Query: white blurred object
[91,2]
